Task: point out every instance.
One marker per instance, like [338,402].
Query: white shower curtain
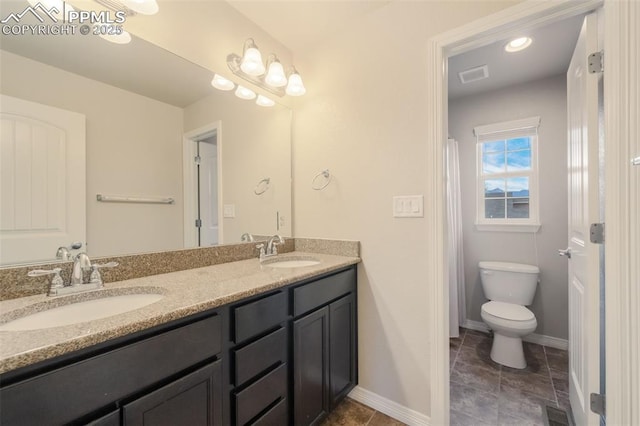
[457,304]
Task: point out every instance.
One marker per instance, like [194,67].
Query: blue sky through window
[511,155]
[506,195]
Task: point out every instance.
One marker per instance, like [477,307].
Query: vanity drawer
[103,379]
[256,357]
[317,293]
[259,316]
[254,399]
[275,416]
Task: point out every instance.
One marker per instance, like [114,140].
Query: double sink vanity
[260,342]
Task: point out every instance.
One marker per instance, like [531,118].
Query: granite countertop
[185,293]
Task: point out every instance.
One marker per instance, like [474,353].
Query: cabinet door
[311,367]
[194,400]
[342,348]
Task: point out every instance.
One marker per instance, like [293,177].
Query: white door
[42,180]
[208,193]
[584,263]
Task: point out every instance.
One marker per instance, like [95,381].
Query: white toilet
[509,287]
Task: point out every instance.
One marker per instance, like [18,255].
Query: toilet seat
[507,311]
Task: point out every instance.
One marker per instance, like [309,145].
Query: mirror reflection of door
[207,190]
[42,187]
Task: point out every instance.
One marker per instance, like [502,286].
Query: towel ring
[319,187]
[262,186]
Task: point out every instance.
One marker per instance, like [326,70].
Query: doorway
[202,186]
[511,183]
[491,29]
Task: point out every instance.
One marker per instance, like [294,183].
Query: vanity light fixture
[263,101]
[244,93]
[221,83]
[275,73]
[249,66]
[251,59]
[295,86]
[518,44]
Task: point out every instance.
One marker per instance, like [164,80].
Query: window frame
[527,127]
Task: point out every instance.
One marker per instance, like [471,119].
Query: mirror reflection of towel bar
[262,186]
[317,184]
[142,200]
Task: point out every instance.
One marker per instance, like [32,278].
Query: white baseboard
[552,342]
[388,407]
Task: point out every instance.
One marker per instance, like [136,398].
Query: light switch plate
[229,210]
[408,206]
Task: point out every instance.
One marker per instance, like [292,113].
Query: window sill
[508,227]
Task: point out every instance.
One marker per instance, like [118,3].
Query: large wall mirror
[170,149]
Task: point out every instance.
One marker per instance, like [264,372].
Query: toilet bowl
[509,287]
[509,322]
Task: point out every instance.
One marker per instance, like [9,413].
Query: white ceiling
[299,24]
[548,55]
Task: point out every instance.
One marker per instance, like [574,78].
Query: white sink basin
[291,262]
[79,312]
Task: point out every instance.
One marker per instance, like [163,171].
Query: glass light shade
[244,93]
[145,7]
[122,38]
[275,75]
[221,83]
[295,86]
[264,101]
[252,62]
[518,44]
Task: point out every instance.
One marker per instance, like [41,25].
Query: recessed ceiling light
[518,44]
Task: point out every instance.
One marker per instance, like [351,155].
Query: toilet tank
[509,282]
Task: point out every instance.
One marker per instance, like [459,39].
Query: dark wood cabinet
[311,367]
[194,400]
[284,357]
[324,347]
[342,348]
[88,385]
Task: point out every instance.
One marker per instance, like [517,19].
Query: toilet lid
[509,311]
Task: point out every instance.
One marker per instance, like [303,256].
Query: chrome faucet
[81,263]
[247,237]
[270,249]
[64,254]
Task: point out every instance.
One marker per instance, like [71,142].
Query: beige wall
[133,148]
[255,143]
[546,98]
[363,118]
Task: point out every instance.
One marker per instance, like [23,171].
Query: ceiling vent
[474,74]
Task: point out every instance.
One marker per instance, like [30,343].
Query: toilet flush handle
[565,252]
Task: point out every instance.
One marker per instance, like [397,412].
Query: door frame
[189,181]
[622,23]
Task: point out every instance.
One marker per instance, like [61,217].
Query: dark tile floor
[353,413]
[486,393]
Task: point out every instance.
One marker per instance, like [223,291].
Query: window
[507,176]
